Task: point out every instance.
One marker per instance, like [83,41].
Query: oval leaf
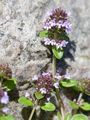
[68,116]
[68,83]
[73,105]
[25,101]
[57,53]
[8,117]
[59,116]
[85,106]
[79,117]
[38,95]
[9,84]
[43,33]
[48,107]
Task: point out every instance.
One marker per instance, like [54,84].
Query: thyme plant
[7,83]
[48,84]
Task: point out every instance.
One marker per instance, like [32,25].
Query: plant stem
[60,103]
[80,97]
[53,66]
[33,110]
[32,113]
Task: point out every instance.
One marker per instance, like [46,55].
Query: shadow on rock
[68,54]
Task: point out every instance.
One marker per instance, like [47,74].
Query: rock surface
[20,23]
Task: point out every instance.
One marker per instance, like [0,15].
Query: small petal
[58,77]
[48,99]
[5,110]
[67,76]
[27,94]
[56,85]
[43,90]
[35,77]
[5,98]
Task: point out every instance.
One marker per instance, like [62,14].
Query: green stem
[53,66]
[32,113]
[60,103]
[33,110]
[78,101]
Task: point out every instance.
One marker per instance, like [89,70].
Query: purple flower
[52,42]
[56,84]
[58,77]
[27,95]
[63,43]
[67,25]
[44,84]
[4,98]
[49,24]
[58,19]
[5,110]
[43,90]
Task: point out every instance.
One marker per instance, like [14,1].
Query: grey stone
[20,23]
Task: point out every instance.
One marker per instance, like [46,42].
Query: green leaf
[38,95]
[59,116]
[9,84]
[68,83]
[79,117]
[48,107]
[8,117]
[63,36]
[14,79]
[73,105]
[85,106]
[25,101]
[43,33]
[57,53]
[68,116]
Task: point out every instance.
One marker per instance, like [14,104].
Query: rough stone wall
[20,23]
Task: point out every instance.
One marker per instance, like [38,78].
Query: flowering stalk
[60,103]
[55,29]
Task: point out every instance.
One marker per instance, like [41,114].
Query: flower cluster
[58,19]
[58,44]
[5,70]
[57,26]
[44,83]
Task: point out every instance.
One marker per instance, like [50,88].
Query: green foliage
[67,116]
[85,106]
[79,117]
[63,36]
[73,105]
[59,116]
[8,117]
[25,101]
[38,95]
[48,107]
[10,84]
[43,33]
[58,53]
[68,83]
